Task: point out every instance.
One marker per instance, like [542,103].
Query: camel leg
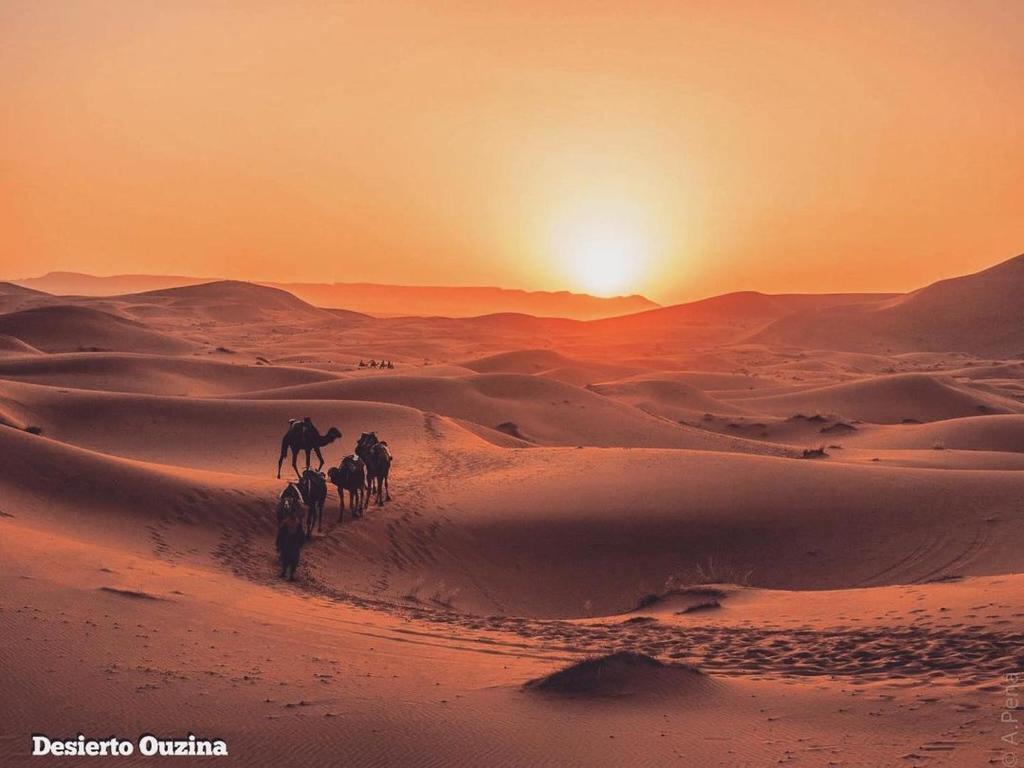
[387,489]
[280,460]
[308,451]
[341,504]
[295,464]
[319,456]
[320,519]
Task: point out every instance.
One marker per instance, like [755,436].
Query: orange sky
[683,149]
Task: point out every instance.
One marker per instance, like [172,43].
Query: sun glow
[605,255]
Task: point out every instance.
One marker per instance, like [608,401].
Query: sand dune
[13,289]
[11,346]
[791,524]
[519,361]
[598,546]
[725,318]
[707,381]
[66,328]
[114,500]
[624,674]
[230,301]
[971,433]
[977,313]
[233,436]
[153,374]
[543,411]
[14,297]
[474,714]
[886,400]
[668,399]
[998,371]
[551,365]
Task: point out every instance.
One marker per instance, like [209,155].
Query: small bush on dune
[839,426]
[510,428]
[704,605]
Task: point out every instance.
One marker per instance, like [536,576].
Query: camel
[350,476]
[303,436]
[313,490]
[381,470]
[288,503]
[377,457]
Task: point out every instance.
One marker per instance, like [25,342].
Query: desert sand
[754,530]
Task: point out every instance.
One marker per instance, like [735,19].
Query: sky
[675,149]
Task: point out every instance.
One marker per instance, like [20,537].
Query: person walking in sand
[290,538]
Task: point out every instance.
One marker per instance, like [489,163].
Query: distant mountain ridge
[370,298]
[463,301]
[980,314]
[81,284]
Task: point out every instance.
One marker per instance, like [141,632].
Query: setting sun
[604,250]
[605,260]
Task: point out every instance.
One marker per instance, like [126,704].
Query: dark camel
[303,436]
[313,490]
[377,457]
[350,476]
[288,503]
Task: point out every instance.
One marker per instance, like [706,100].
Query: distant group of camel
[362,474]
[374,364]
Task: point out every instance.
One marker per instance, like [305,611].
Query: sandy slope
[13,347]
[977,313]
[600,544]
[551,365]
[156,613]
[71,328]
[361,688]
[972,433]
[540,410]
[887,400]
[152,374]
[670,399]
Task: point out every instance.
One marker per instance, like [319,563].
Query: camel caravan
[362,474]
